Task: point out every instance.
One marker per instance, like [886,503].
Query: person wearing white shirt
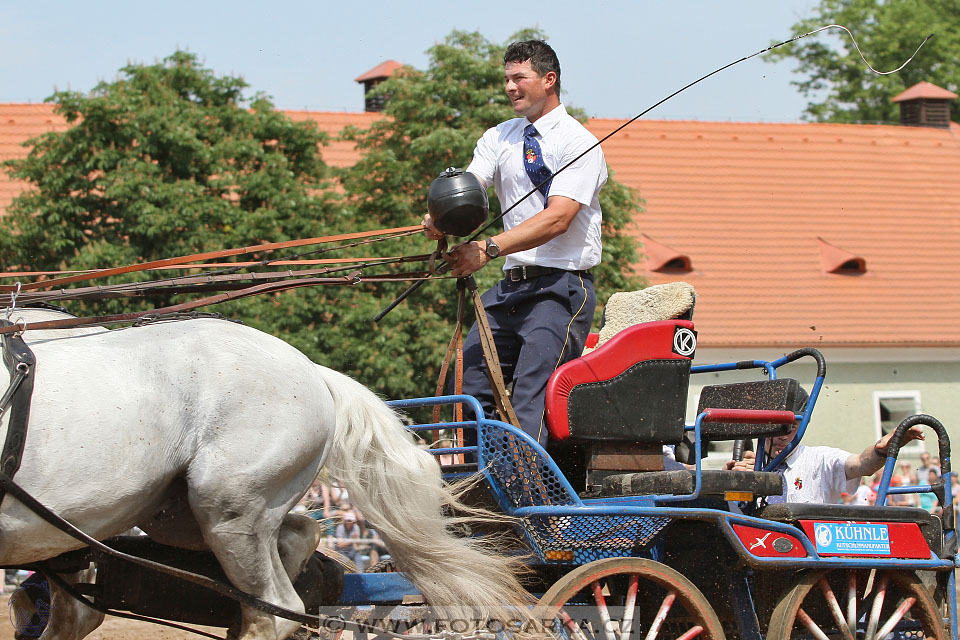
[540,313]
[821,474]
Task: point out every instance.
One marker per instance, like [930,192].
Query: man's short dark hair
[542,57]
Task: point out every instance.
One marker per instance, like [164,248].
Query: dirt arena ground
[115,629]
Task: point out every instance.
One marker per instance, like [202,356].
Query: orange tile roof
[752,206]
[18,123]
[21,122]
[337,154]
[748,202]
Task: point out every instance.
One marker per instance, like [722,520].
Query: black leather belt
[527,272]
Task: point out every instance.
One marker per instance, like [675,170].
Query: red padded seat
[631,389]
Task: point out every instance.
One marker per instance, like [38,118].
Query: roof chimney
[372,78]
[925,105]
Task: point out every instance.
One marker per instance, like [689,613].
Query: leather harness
[501,398]
[20,361]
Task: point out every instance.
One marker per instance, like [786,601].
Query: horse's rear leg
[244,538]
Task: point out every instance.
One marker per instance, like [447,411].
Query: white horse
[204,433]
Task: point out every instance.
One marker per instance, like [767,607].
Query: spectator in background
[369,551]
[346,535]
[928,501]
[911,499]
[923,471]
[338,495]
[875,481]
[864,494]
[445,458]
[904,472]
[898,499]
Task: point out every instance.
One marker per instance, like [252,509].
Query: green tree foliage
[842,88]
[166,160]
[170,159]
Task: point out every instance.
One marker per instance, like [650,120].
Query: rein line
[187,283]
[267,287]
[225,279]
[382,234]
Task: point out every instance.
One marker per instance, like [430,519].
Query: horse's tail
[398,488]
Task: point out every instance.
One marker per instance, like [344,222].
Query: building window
[891,408]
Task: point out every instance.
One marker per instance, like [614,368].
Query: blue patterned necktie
[537,171]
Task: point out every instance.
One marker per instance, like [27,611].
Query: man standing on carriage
[540,312]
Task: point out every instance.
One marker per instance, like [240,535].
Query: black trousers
[537,325]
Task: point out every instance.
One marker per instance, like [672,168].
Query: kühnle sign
[852,538]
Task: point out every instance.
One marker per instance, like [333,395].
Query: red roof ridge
[926,90]
[383,70]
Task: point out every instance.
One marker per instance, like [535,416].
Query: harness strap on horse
[20,361]
[501,398]
[455,348]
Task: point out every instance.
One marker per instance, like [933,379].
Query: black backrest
[775,395]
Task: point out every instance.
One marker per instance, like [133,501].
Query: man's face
[526,89]
[779,442]
[925,459]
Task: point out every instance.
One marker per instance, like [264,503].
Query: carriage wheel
[627,599]
[856,605]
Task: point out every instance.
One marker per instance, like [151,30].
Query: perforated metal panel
[523,475]
[592,537]
[523,472]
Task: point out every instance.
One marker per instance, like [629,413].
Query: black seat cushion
[680,482]
[790,512]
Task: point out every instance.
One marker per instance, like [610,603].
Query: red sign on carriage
[873,539]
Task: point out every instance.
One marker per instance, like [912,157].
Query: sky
[617,57]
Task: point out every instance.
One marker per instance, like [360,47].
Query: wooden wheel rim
[583,577]
[790,608]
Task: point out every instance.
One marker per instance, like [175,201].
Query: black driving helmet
[457,202]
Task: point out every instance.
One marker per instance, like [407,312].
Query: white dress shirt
[818,475]
[498,160]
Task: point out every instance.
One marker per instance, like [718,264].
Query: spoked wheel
[856,605]
[627,599]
